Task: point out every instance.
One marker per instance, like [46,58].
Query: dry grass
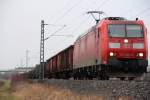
[36,91]
[5,91]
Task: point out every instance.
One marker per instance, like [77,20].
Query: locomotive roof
[89,30]
[114,18]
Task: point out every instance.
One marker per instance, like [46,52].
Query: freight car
[60,65]
[115,47]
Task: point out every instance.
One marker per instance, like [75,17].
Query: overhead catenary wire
[68,11]
[56,25]
[129,10]
[83,13]
[53,34]
[85,20]
[143,11]
[56,32]
[80,24]
[103,3]
[62,16]
[62,8]
[59,29]
[63,35]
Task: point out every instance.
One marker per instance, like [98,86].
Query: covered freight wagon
[60,64]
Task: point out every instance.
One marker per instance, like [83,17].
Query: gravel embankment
[136,90]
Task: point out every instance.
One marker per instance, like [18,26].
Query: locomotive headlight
[114,45]
[111,54]
[126,41]
[141,54]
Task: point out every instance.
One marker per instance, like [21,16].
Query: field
[5,90]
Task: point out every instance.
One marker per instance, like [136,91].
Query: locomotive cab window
[122,30]
[116,30]
[134,31]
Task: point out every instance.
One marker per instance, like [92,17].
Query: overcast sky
[20,24]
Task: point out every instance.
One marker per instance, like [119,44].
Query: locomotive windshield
[122,30]
[134,31]
[117,30]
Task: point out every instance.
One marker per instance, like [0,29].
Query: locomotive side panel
[103,43]
[86,50]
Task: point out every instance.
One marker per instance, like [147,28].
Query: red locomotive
[115,47]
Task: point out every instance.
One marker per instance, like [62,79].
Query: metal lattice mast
[41,69]
[42,62]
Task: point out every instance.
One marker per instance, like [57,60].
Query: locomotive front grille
[127,45]
[126,55]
